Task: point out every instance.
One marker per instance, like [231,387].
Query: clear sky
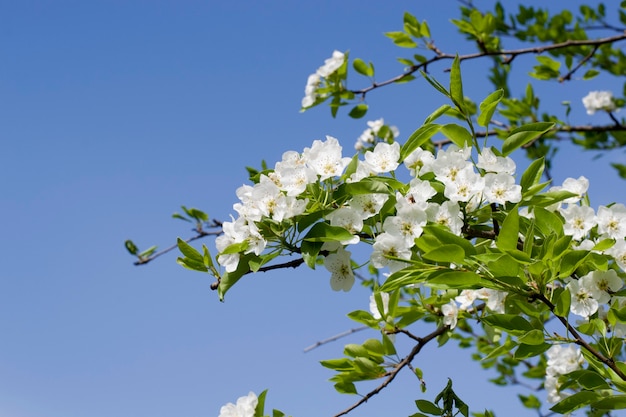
[115,113]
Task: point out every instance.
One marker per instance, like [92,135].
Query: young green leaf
[488,107]
[456,85]
[524,135]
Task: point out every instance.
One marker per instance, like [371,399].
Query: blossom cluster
[598,101]
[445,189]
[370,136]
[331,65]
[245,407]
[561,361]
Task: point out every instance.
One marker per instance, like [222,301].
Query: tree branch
[509,53]
[406,361]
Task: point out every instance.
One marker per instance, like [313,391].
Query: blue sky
[115,113]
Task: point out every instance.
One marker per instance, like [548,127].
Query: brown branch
[291,264]
[509,53]
[333,338]
[405,362]
[571,72]
[580,341]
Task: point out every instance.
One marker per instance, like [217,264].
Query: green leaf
[621,169]
[457,134]
[189,251]
[509,232]
[488,107]
[146,253]
[345,387]
[533,174]
[435,84]
[401,39]
[277,413]
[563,303]
[571,261]
[368,185]
[428,407]
[324,232]
[362,68]
[341,364]
[230,278]
[454,280]
[364,317]
[456,85]
[524,135]
[603,245]
[575,401]
[592,73]
[533,337]
[548,222]
[530,351]
[418,138]
[437,113]
[530,401]
[446,237]
[614,402]
[510,323]
[446,253]
[130,247]
[358,111]
[260,406]
[180,216]
[589,380]
[192,264]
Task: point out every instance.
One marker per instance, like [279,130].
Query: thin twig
[200,235]
[571,72]
[333,338]
[406,361]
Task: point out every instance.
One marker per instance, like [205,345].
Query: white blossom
[578,186]
[612,221]
[598,100]
[501,188]
[244,408]
[578,220]
[466,186]
[466,298]
[310,90]
[384,158]
[602,284]
[387,245]
[339,265]
[368,205]
[325,158]
[348,218]
[447,214]
[490,162]
[583,304]
[408,224]
[618,251]
[332,64]
[450,313]
[561,360]
[369,135]
[419,162]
